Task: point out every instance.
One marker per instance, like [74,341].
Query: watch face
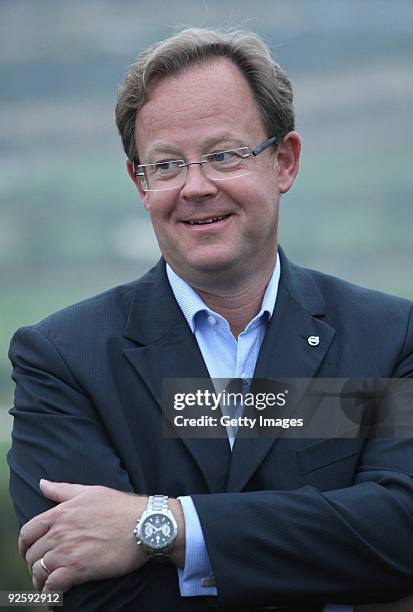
[157,531]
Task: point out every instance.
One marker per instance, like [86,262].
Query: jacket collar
[154,310]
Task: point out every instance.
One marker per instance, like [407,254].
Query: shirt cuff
[196,577]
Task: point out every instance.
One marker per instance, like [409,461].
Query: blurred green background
[71,224]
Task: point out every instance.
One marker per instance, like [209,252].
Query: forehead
[203,101]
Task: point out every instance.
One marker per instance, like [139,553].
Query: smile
[207,221]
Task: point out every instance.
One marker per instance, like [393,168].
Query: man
[207,124]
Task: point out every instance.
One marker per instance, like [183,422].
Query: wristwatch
[156,530]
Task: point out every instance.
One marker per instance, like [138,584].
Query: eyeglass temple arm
[135,170]
[264,146]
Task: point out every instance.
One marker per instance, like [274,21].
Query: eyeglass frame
[256,151]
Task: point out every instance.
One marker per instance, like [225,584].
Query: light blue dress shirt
[225,357]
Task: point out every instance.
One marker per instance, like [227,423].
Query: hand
[87,536]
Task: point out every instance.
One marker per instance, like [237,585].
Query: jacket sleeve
[57,433]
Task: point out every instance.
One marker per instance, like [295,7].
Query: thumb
[60,491]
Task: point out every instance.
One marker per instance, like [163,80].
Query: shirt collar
[191,304]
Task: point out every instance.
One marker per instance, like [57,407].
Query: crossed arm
[87,536]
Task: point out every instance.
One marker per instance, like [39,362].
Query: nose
[197,185]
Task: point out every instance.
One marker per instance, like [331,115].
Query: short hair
[269,84]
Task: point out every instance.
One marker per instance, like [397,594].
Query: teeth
[212,220]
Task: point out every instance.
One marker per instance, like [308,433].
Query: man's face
[205,109]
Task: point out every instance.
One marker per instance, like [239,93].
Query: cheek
[160,213]
[157,205]
[149,202]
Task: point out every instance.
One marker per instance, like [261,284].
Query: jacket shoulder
[357,311]
[342,293]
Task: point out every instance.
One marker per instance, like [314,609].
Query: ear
[143,194]
[288,160]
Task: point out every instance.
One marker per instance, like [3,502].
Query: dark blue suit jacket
[286,521]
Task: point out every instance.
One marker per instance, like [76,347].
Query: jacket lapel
[168,350]
[285,353]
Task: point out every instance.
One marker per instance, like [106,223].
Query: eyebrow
[224,139]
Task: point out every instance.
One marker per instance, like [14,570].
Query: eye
[227,160]
[166,167]
[223,156]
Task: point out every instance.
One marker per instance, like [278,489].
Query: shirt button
[211,320]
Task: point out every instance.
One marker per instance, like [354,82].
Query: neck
[240,304]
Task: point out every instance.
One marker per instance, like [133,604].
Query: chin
[213,262]
[218,270]
[194,264]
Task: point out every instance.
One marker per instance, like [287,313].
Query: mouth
[207,220]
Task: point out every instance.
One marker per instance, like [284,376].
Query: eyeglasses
[217,166]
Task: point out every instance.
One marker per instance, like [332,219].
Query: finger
[40,575]
[61,491]
[61,579]
[37,551]
[35,529]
